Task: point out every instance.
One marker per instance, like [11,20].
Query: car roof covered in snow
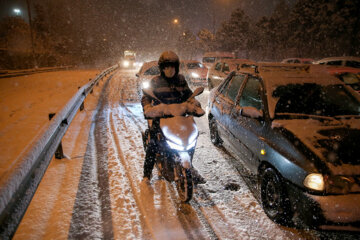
[278,74]
[219,54]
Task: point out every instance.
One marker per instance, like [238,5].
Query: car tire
[214,134]
[274,197]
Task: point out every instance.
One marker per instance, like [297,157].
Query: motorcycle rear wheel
[184,184]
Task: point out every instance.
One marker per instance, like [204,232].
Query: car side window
[354,64]
[232,89]
[296,61]
[251,95]
[334,63]
[218,67]
[226,67]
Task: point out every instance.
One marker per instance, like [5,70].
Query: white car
[220,70]
[194,72]
[298,60]
[210,58]
[353,62]
[146,73]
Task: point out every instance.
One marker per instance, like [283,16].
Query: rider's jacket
[174,90]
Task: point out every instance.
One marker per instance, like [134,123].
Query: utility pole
[31,34]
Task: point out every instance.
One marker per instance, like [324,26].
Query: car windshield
[208,59]
[194,65]
[152,71]
[350,78]
[314,99]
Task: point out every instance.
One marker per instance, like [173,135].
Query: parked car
[194,71]
[219,71]
[147,71]
[297,129]
[298,60]
[209,58]
[353,62]
[350,76]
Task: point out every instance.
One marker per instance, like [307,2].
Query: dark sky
[141,24]
[193,14]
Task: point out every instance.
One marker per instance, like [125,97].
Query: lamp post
[17,11]
[31,34]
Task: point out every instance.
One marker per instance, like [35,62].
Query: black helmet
[169,58]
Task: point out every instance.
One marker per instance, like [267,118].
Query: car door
[247,131]
[215,75]
[221,109]
[230,93]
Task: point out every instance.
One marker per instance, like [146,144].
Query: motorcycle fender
[185,159]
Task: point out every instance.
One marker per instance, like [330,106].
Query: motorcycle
[176,141]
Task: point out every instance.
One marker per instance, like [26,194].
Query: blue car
[297,129]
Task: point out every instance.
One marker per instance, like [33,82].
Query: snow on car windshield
[313,99]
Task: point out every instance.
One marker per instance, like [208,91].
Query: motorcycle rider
[169,87]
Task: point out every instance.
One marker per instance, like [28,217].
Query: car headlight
[126,63]
[194,75]
[314,181]
[146,85]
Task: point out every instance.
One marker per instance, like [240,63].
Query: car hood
[201,71]
[334,142]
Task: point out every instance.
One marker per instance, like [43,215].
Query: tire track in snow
[92,214]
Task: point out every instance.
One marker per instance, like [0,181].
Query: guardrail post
[59,154]
[51,115]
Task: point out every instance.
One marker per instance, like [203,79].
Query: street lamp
[176,21]
[17,11]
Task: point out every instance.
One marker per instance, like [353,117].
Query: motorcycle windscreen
[179,130]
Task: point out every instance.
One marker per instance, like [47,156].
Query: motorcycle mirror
[150,93]
[197,92]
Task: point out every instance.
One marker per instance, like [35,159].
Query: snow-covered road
[97,192]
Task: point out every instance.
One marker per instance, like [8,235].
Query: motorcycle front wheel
[184,184]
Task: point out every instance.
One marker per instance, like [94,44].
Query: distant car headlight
[314,181]
[126,63]
[194,75]
[146,85]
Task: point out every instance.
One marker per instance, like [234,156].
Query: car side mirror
[252,112]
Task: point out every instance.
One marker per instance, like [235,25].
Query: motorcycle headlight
[191,145]
[314,181]
[146,84]
[175,146]
[194,75]
[179,147]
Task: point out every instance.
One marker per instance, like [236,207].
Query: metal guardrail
[20,185]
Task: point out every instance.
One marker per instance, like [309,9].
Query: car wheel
[274,197]
[214,134]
